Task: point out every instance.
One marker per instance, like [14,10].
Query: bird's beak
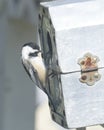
[40,53]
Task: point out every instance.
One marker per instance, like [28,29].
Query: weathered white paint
[78,28]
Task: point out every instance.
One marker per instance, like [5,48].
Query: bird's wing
[35,77]
[32,74]
[26,70]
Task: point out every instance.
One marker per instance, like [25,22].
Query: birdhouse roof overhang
[68,14]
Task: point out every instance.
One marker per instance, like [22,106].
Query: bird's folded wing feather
[35,77]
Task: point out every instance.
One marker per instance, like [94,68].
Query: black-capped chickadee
[33,63]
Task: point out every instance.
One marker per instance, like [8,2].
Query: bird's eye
[33,54]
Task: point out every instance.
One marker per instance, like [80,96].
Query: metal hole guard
[89,69]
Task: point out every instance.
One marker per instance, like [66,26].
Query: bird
[33,63]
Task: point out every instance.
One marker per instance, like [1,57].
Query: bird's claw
[54,73]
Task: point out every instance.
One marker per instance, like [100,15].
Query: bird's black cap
[33,45]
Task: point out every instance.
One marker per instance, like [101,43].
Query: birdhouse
[72,41]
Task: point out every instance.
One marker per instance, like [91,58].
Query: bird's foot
[54,73]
